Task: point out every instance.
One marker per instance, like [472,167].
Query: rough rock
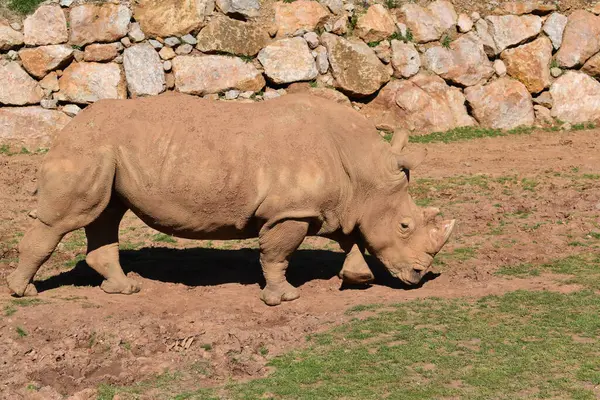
[321,60]
[428,24]
[184,49]
[568,91]
[232,36]
[49,104]
[99,23]
[312,39]
[101,52]
[17,87]
[503,104]
[189,39]
[424,103]
[172,41]
[510,30]
[556,72]
[167,65]
[527,7]
[232,94]
[335,6]
[215,74]
[85,83]
[544,99]
[66,3]
[482,29]
[464,63]
[38,61]
[465,23]
[156,44]
[288,60]
[162,18]
[31,124]
[405,59]
[543,115]
[499,67]
[596,8]
[554,27]
[47,25]
[340,25]
[71,110]
[50,82]
[166,53]
[592,66]
[9,38]
[126,42]
[581,39]
[135,33]
[384,51]
[301,14]
[376,24]
[530,64]
[143,70]
[245,8]
[356,68]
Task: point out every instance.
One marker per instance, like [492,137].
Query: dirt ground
[517,199]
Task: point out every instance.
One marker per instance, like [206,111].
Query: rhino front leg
[355,269]
[277,244]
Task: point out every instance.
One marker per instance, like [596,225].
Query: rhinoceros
[279,170]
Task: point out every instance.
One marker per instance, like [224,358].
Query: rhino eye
[404,225]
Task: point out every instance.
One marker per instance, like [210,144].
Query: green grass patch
[163,238]
[20,332]
[467,133]
[23,6]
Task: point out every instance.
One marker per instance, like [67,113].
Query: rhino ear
[411,160]
[399,140]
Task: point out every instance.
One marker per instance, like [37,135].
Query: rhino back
[201,168]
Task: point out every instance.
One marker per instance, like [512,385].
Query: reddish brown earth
[78,336]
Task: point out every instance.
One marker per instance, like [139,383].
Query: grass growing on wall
[21,6]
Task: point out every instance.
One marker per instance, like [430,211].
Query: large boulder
[237,8]
[31,125]
[215,74]
[576,98]
[288,60]
[38,61]
[554,27]
[406,60]
[99,23]
[511,30]
[581,39]
[503,104]
[162,18]
[424,103]
[232,36]
[9,38]
[301,14]
[530,64]
[376,24]
[87,82]
[355,66]
[17,87]
[143,70]
[430,23]
[464,63]
[592,66]
[47,25]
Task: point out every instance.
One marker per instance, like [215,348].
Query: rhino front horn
[448,227]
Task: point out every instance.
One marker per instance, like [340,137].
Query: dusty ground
[518,199]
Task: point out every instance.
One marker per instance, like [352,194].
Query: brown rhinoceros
[193,168]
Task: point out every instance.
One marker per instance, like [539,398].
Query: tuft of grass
[246,59]
[446,42]
[554,64]
[21,332]
[467,133]
[390,4]
[374,44]
[313,84]
[9,310]
[163,238]
[207,346]
[24,7]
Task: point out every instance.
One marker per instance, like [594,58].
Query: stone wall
[423,68]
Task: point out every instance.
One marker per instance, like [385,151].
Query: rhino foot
[273,295]
[122,286]
[19,286]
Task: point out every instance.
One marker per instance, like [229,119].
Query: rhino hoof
[122,286]
[273,295]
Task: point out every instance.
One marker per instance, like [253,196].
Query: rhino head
[402,235]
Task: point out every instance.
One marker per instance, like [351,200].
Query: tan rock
[356,68]
[465,23]
[87,82]
[17,87]
[530,64]
[596,8]
[576,98]
[99,23]
[464,63]
[527,7]
[428,24]
[503,104]
[406,60]
[544,99]
[592,66]
[424,103]
[340,25]
[232,36]
[9,38]
[288,60]
[166,53]
[47,25]
[543,115]
[162,18]
[554,27]
[215,74]
[244,8]
[482,30]
[50,82]
[301,14]
[143,70]
[376,24]
[38,61]
[499,67]
[98,52]
[581,39]
[510,30]
[31,124]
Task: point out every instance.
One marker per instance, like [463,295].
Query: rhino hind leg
[277,244]
[103,250]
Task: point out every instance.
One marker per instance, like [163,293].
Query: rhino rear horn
[411,160]
[399,140]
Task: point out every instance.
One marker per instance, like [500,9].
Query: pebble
[232,94]
[184,49]
[312,39]
[16,26]
[126,42]
[71,110]
[189,39]
[156,44]
[172,41]
[66,3]
[556,72]
[167,65]
[49,104]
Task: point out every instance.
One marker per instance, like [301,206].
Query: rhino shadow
[210,267]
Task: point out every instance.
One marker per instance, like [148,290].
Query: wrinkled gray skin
[278,170]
